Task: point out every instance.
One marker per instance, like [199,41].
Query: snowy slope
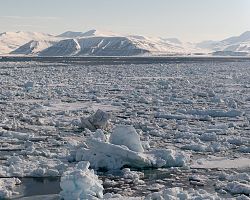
[237,44]
[33,47]
[98,33]
[71,34]
[112,46]
[67,47]
[244,37]
[10,41]
[90,33]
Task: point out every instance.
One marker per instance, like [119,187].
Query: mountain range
[103,43]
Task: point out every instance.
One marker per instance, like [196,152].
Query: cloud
[29,18]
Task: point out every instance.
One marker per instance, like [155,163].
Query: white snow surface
[33,47]
[10,41]
[239,43]
[222,163]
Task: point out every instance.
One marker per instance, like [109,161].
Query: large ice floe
[124,148]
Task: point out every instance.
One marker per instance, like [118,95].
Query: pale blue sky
[188,20]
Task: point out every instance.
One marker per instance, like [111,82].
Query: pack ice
[177,129]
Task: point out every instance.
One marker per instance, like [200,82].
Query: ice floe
[127,136]
[7,186]
[81,183]
[99,120]
[222,162]
[124,148]
[180,194]
[34,166]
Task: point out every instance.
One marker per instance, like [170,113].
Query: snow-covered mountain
[33,47]
[101,43]
[90,33]
[94,46]
[238,45]
[113,46]
[67,47]
[244,37]
[10,41]
[106,43]
[71,34]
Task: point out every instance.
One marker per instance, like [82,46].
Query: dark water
[38,186]
[123,60]
[32,187]
[51,185]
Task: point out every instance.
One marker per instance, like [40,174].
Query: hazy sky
[188,20]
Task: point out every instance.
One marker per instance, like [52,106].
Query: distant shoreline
[116,60]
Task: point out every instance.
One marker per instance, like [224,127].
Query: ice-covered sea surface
[151,128]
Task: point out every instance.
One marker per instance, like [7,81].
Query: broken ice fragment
[99,120]
[28,86]
[81,183]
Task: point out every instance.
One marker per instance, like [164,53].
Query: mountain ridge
[106,43]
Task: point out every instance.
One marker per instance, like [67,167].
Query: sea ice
[215,113]
[81,183]
[180,194]
[238,188]
[127,136]
[36,166]
[201,110]
[29,85]
[99,120]
[127,151]
[110,156]
[7,186]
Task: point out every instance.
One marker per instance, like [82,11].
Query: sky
[188,20]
